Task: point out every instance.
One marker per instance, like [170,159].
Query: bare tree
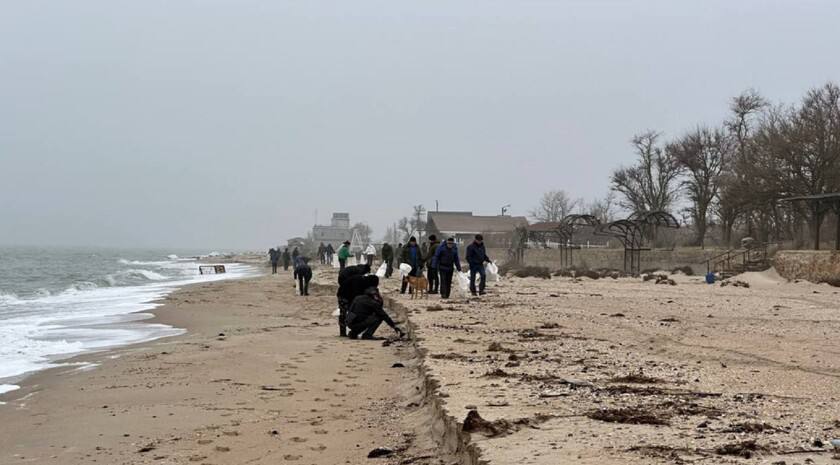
[734,200]
[604,208]
[803,145]
[416,223]
[390,234]
[702,155]
[554,206]
[651,184]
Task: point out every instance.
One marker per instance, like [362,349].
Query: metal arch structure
[631,233]
[820,204]
[561,232]
[572,223]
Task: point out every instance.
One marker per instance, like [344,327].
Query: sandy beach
[624,371]
[539,371]
[260,377]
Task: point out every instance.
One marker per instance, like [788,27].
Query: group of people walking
[301,270]
[325,253]
[440,261]
[275,256]
[361,307]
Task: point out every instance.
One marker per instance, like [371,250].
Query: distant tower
[341,220]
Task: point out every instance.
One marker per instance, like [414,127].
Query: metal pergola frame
[562,232]
[820,204]
[631,233]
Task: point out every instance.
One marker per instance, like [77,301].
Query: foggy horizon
[227,125]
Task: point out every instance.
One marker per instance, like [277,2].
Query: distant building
[298,242]
[335,233]
[463,226]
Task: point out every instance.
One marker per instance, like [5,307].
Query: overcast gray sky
[226,124]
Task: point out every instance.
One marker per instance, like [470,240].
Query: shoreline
[260,377]
[86,360]
[146,316]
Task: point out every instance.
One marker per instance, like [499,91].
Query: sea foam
[39,331]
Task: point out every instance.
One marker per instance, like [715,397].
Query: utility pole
[437,206]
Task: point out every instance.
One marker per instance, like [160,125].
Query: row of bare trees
[731,176]
[735,174]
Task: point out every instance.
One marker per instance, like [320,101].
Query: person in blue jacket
[446,261]
[476,258]
[412,255]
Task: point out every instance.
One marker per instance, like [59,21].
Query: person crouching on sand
[303,273]
[351,283]
[367,313]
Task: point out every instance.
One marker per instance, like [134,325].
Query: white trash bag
[463,283]
[383,268]
[405,270]
[492,272]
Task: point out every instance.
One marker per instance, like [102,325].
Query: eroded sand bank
[624,371]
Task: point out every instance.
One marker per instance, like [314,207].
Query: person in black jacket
[476,258]
[303,273]
[367,313]
[388,258]
[446,261]
[274,256]
[287,258]
[348,288]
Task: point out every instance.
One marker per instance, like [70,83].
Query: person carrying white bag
[446,261]
[492,271]
[383,268]
[476,258]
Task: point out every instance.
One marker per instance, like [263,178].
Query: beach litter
[380,452]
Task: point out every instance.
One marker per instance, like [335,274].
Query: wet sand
[260,378]
[623,371]
[540,371]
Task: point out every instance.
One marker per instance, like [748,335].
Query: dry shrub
[532,271]
[685,269]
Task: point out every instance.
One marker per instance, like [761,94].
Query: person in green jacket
[343,255]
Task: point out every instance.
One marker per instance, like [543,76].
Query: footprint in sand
[321,431]
[204,442]
[197,458]
[299,439]
[319,448]
[291,457]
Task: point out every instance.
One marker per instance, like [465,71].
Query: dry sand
[555,371]
[260,378]
[623,371]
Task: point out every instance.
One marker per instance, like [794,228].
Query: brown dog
[418,284]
